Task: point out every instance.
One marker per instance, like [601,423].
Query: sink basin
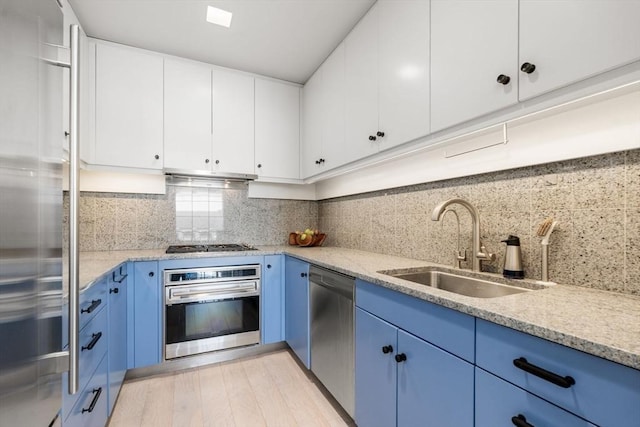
[461,285]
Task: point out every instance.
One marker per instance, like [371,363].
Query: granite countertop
[601,323]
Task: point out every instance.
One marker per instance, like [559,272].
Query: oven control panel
[186,276]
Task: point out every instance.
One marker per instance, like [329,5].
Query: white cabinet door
[323,116]
[233,122]
[403,64]
[472,43]
[187,115]
[312,125]
[333,128]
[128,108]
[361,68]
[277,130]
[569,40]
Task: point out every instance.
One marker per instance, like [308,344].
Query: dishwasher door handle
[342,285]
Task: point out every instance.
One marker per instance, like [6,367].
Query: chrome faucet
[458,255]
[478,252]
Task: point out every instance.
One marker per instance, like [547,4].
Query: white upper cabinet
[323,116]
[403,71]
[129,108]
[333,107]
[361,68]
[277,130]
[490,54]
[233,122]
[187,115]
[387,77]
[208,119]
[570,40]
[313,112]
[474,48]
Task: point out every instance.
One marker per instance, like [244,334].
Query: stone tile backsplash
[183,215]
[595,200]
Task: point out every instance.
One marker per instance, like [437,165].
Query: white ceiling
[285,39]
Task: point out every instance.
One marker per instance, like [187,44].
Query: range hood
[203,174]
[203,178]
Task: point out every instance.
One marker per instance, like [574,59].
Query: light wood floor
[269,390]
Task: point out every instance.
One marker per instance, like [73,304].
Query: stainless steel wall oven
[211,308]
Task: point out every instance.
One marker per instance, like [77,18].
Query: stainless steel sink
[461,285]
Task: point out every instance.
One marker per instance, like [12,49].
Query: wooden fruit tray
[315,240]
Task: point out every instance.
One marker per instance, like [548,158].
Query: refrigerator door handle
[74,195]
[53,363]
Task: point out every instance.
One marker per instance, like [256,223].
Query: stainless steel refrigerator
[31,312]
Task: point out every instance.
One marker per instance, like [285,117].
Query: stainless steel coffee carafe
[513,259]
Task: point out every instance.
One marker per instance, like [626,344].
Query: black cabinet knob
[318,162]
[303,274]
[387,349]
[259,165]
[268,265]
[321,160]
[503,80]
[527,68]
[380,134]
[520,421]
[372,138]
[66,133]
[151,274]
[401,357]
[217,162]
[114,290]
[206,160]
[157,156]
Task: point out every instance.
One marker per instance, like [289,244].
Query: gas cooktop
[220,247]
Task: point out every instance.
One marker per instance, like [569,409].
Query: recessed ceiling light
[219,16]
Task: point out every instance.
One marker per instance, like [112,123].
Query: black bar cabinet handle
[94,304]
[564,382]
[520,421]
[96,395]
[124,276]
[94,340]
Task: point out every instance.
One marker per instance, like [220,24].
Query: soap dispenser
[513,259]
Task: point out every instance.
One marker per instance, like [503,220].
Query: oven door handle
[177,294]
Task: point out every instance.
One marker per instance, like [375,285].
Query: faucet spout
[478,250]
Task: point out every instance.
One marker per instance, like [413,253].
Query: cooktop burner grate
[220,247]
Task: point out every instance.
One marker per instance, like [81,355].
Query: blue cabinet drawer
[443,327]
[90,409]
[498,402]
[602,392]
[95,332]
[92,300]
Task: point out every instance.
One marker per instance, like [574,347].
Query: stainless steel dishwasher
[332,346]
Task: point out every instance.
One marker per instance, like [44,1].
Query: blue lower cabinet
[435,388]
[272,299]
[404,381]
[90,409]
[375,344]
[147,319]
[297,308]
[117,352]
[499,403]
[598,390]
